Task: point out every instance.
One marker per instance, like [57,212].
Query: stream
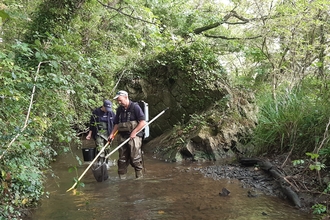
[167,191]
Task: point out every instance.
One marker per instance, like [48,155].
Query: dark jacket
[96,118]
[136,115]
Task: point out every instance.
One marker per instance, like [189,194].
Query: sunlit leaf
[4,15]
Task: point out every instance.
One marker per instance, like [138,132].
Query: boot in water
[122,176]
[138,174]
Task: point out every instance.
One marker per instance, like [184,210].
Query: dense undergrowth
[296,121]
[296,124]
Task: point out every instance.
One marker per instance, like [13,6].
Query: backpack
[145,108]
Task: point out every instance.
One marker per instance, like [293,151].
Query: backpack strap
[129,112]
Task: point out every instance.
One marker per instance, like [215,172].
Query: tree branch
[231,38]
[211,26]
[119,10]
[225,19]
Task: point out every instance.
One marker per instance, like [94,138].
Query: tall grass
[294,121]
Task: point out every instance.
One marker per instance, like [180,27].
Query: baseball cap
[120,93]
[107,104]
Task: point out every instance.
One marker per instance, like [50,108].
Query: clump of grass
[294,121]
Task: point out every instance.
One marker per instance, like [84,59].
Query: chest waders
[102,135]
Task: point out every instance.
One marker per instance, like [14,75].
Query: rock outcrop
[204,121]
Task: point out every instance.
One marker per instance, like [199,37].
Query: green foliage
[191,62]
[51,17]
[195,123]
[327,189]
[319,209]
[312,156]
[60,107]
[22,174]
[84,45]
[293,120]
[3,15]
[317,166]
[298,162]
[255,54]
[22,165]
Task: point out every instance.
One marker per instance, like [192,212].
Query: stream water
[168,191]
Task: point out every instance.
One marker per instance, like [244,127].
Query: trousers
[130,153]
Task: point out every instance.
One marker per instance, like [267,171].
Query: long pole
[114,150]
[96,157]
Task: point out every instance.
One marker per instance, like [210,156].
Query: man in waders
[101,125]
[128,121]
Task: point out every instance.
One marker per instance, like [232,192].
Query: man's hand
[111,137]
[88,137]
[133,134]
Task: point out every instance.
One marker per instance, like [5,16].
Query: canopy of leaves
[277,48]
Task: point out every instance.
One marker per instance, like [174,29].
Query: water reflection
[168,191]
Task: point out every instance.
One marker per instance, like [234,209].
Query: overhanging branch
[231,38]
[214,25]
[225,20]
[119,10]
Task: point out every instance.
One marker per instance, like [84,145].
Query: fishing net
[100,171]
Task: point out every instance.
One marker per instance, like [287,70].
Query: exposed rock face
[204,120]
[178,92]
[215,136]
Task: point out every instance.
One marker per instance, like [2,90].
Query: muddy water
[168,191]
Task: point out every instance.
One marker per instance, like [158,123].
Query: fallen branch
[291,184]
[277,175]
[292,196]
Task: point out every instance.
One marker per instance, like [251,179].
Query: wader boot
[138,174]
[122,176]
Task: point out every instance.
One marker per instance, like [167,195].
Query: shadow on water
[168,191]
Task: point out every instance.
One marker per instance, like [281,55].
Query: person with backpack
[128,121]
[101,124]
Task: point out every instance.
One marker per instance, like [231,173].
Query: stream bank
[302,181]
